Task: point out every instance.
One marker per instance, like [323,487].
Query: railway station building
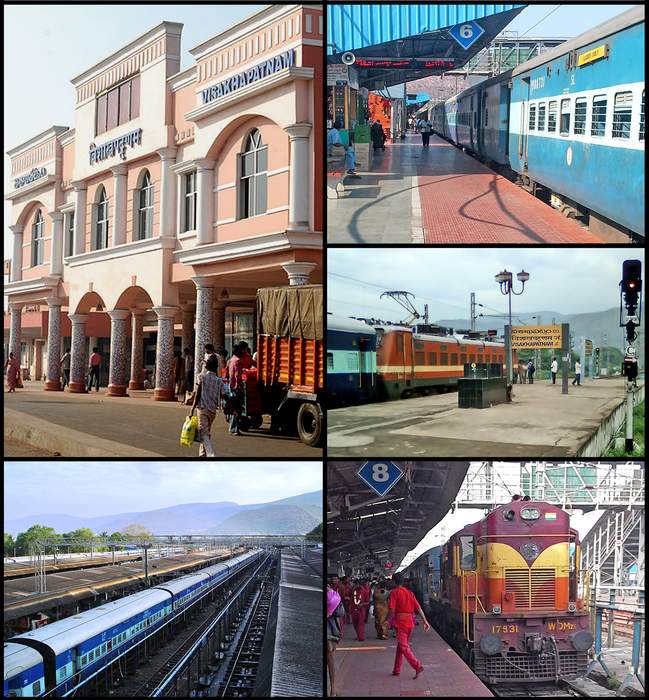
[150,225]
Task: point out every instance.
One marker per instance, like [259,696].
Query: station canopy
[366,531]
[393,44]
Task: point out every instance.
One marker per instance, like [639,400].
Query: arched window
[38,243]
[145,208]
[253,164]
[101,221]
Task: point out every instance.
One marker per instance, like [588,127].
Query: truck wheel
[309,424]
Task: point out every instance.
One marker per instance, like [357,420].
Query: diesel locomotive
[509,597]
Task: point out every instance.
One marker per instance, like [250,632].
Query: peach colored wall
[312,56]
[67,169]
[152,164]
[183,100]
[34,156]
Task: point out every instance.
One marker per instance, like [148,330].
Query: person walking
[179,371]
[426,129]
[530,372]
[206,401]
[357,609]
[381,609]
[402,606]
[94,368]
[12,372]
[577,379]
[64,364]
[235,379]
[554,368]
[377,135]
[189,368]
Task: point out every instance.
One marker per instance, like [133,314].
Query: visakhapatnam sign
[246,77]
[533,337]
[34,174]
[116,146]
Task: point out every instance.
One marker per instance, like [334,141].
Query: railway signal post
[630,289]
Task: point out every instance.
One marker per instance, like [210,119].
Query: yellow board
[592,55]
[531,337]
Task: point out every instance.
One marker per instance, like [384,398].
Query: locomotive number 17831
[504,628]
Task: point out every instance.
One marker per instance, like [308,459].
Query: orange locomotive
[509,597]
[409,362]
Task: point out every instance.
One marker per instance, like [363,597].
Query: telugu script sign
[532,337]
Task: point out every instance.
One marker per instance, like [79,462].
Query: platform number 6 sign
[466,31]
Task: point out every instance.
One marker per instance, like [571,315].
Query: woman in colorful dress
[12,371]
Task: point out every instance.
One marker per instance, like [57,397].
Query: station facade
[151,224]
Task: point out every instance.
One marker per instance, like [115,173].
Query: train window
[352,366]
[420,358]
[467,553]
[564,124]
[552,115]
[453,359]
[399,343]
[91,655]
[581,105]
[642,118]
[432,358]
[330,361]
[443,359]
[532,117]
[599,116]
[541,126]
[36,688]
[622,115]
[471,358]
[463,358]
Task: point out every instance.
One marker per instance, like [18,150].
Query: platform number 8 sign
[380,475]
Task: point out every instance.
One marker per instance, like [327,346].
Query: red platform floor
[462,201]
[364,669]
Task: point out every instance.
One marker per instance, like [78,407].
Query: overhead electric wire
[554,9]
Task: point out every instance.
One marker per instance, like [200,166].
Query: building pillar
[164,363]
[56,256]
[219,324]
[78,354]
[188,328]
[204,202]
[204,327]
[38,359]
[119,209]
[167,192]
[15,330]
[80,192]
[298,272]
[117,370]
[137,350]
[300,180]
[17,254]
[53,380]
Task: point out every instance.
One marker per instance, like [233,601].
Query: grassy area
[638,435]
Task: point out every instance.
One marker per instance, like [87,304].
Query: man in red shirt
[402,606]
[94,366]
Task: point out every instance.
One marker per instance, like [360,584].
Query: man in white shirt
[554,368]
[334,143]
[577,379]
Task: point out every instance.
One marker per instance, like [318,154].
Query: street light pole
[505,280]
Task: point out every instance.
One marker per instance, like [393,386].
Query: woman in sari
[12,370]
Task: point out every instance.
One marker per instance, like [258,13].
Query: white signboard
[337,72]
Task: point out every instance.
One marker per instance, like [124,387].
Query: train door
[366,375]
[472,125]
[523,138]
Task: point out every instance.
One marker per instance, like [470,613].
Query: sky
[107,488]
[566,280]
[49,45]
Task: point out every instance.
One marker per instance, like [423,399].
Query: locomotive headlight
[495,610]
[530,513]
[572,607]
[582,640]
[490,644]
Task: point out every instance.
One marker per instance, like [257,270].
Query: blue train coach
[351,361]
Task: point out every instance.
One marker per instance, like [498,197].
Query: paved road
[121,424]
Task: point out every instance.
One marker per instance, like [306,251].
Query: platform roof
[363,527]
[409,32]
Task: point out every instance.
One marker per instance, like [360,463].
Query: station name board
[246,77]
[34,174]
[114,147]
[534,337]
[592,55]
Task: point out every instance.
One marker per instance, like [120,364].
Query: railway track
[533,690]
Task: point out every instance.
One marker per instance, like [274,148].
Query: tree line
[316,534]
[21,545]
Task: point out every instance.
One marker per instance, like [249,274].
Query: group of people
[526,372]
[335,144]
[393,605]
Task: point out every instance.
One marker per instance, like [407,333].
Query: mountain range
[294,515]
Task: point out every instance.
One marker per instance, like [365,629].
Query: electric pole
[472,311]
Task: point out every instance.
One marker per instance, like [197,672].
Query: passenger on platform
[577,379]
[64,364]
[235,380]
[246,357]
[12,372]
[94,365]
[334,143]
[425,129]
[554,368]
[189,368]
[402,606]
[522,373]
[208,351]
[179,371]
[345,591]
[381,609]
[530,371]
[148,379]
[334,633]
[378,135]
[357,609]
[206,400]
[367,597]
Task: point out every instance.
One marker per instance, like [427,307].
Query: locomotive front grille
[521,667]
[532,588]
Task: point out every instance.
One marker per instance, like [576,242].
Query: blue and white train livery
[63,653]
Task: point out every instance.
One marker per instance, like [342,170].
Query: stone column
[38,359]
[53,381]
[78,354]
[15,309]
[298,272]
[164,363]
[56,256]
[137,350]
[119,208]
[167,192]
[204,328]
[117,370]
[219,324]
[17,255]
[80,191]
[188,328]
[204,202]
[300,180]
